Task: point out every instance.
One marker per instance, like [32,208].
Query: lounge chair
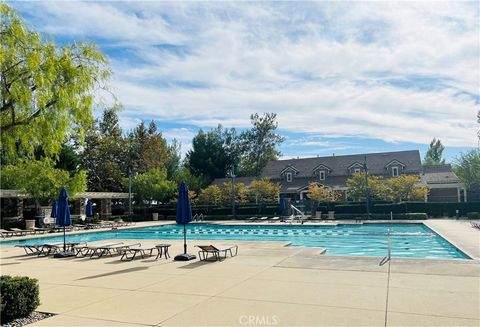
[39,230]
[85,249]
[30,249]
[252,219]
[274,219]
[99,252]
[475,224]
[7,233]
[128,254]
[216,253]
[52,248]
[263,218]
[21,232]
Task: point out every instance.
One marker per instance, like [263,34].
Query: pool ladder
[198,217]
[389,250]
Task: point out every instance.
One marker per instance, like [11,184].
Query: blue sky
[343,77]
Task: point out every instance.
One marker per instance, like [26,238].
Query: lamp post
[130,191]
[232,176]
[367,191]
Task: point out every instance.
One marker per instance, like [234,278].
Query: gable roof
[376,163]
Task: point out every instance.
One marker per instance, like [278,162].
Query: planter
[155,216]
[29,224]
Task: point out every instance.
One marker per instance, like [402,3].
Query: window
[394,171]
[356,170]
[322,175]
[289,177]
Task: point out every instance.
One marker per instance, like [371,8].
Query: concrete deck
[268,283]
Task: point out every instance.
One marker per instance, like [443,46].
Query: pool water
[407,240]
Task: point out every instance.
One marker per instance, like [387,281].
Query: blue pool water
[407,240]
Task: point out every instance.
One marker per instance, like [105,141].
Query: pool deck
[268,283]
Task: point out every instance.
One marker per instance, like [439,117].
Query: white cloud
[391,71]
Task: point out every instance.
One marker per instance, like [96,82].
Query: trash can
[318,214]
[331,215]
[29,223]
[155,215]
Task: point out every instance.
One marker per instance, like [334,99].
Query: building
[294,175]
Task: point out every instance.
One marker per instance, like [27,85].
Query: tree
[212,194]
[241,193]
[262,190]
[406,188]
[467,169]
[41,180]
[173,158]
[213,153]
[104,156]
[357,189]
[153,186]
[195,183]
[46,91]
[320,193]
[434,153]
[259,144]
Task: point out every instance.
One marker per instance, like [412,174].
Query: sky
[342,77]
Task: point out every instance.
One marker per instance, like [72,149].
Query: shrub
[19,297]
[473,215]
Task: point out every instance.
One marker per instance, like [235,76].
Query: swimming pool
[407,240]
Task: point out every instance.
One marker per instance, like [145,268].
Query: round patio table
[162,250]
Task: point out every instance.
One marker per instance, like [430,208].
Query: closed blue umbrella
[89,209]
[63,219]
[53,214]
[183,217]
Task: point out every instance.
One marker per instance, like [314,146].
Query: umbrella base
[63,254]
[184,257]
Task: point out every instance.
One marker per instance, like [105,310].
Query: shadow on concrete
[118,272]
[194,265]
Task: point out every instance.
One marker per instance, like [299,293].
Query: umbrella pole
[185,238]
[64,240]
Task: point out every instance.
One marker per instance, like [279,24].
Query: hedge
[473,215]
[19,297]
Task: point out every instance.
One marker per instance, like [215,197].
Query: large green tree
[467,168]
[259,144]
[153,186]
[46,91]
[213,153]
[434,153]
[105,154]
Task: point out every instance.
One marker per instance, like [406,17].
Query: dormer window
[321,174]
[289,177]
[394,171]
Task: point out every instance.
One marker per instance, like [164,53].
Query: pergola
[78,201]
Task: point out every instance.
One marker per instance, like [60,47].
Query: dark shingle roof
[440,174]
[376,163]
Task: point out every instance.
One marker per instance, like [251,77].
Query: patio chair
[128,254]
[211,251]
[39,230]
[85,249]
[7,233]
[21,231]
[52,248]
[30,249]
[112,249]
